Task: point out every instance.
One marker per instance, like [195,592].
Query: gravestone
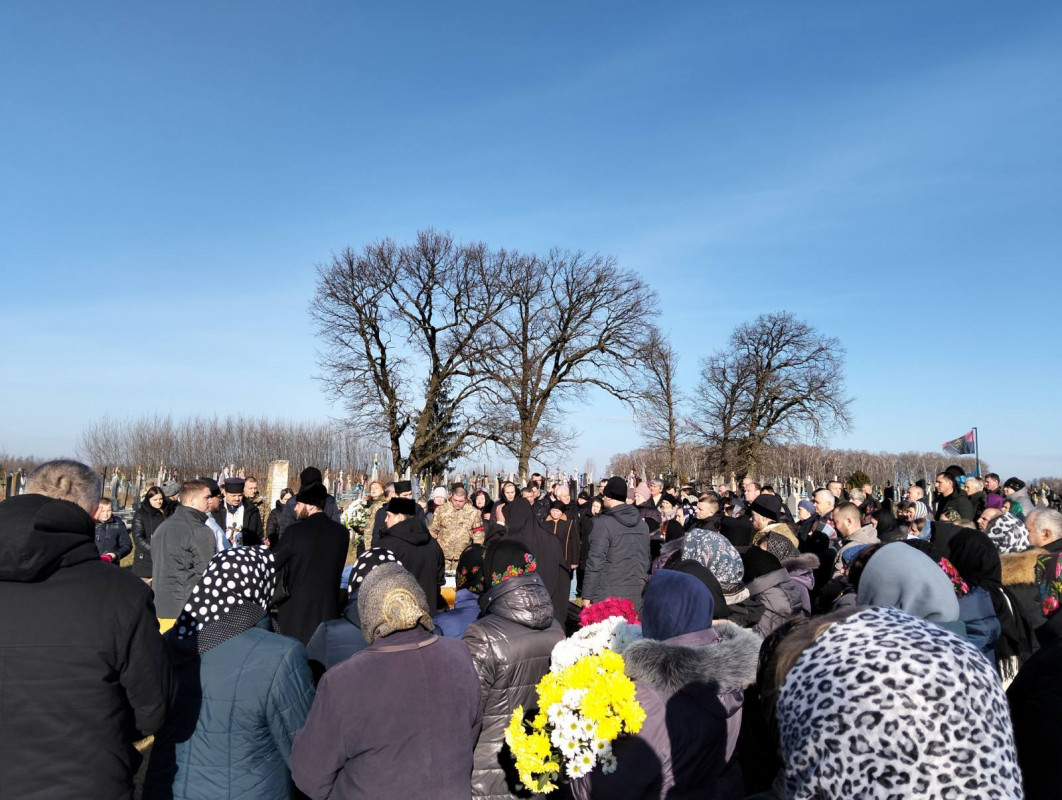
[277,481]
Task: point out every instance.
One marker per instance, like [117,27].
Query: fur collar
[729,663]
[1020,568]
[805,561]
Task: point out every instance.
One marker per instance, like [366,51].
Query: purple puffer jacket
[691,688]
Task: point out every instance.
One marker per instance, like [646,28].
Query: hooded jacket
[83,672]
[767,580]
[420,553]
[691,688]
[618,560]
[181,548]
[510,647]
[801,571]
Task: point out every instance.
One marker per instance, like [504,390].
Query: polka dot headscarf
[366,563]
[232,596]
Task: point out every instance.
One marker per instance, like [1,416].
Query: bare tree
[405,344]
[778,380]
[575,324]
[658,398]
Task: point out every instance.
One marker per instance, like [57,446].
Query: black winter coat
[146,521]
[83,673]
[252,522]
[1036,710]
[310,557]
[420,553]
[510,648]
[113,537]
[181,548]
[273,524]
[547,548]
[956,502]
[618,562]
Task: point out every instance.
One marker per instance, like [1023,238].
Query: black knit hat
[616,488]
[402,505]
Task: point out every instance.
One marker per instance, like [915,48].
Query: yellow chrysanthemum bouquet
[583,709]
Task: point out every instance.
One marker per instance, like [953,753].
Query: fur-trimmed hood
[729,661]
[1020,568]
[805,561]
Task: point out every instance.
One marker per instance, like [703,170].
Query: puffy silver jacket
[510,648]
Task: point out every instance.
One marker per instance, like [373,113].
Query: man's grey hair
[1046,518]
[857,496]
[66,479]
[825,494]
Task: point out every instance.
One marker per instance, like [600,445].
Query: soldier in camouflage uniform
[456,524]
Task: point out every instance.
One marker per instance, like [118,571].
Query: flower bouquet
[584,707]
[609,607]
[612,633]
[355,518]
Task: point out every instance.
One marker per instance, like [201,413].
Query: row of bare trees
[442,349]
[801,461]
[203,445]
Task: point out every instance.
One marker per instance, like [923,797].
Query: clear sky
[170,173]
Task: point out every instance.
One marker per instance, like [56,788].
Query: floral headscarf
[471,572]
[1049,583]
[509,559]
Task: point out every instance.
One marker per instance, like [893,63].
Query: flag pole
[977,452]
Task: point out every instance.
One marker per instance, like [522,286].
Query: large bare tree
[404,329]
[659,397]
[777,380]
[575,324]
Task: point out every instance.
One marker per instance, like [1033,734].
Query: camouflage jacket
[455,530]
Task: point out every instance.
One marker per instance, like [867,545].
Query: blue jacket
[113,537]
[982,626]
[465,612]
[336,640]
[238,709]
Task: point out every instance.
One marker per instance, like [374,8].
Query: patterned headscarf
[391,600]
[716,553]
[1008,533]
[366,563]
[1049,583]
[471,572]
[920,510]
[232,596]
[509,559]
[885,705]
[780,547]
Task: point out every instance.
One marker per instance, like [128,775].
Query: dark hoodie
[419,553]
[618,561]
[83,673]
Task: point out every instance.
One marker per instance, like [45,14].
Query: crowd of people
[861,645]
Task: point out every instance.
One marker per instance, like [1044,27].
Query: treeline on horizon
[777,463]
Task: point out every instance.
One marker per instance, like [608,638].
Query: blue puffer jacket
[230,732]
[464,613]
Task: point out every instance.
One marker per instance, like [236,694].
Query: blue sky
[172,172]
